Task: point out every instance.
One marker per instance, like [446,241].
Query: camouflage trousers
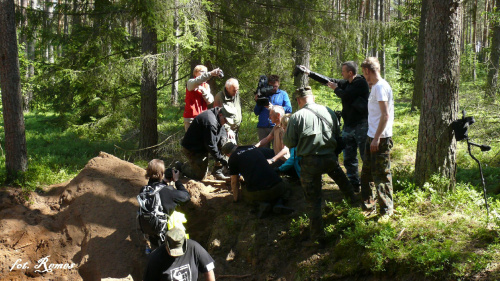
[354,139]
[312,168]
[377,169]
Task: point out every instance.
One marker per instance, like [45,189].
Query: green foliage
[439,235]
[297,226]
[55,154]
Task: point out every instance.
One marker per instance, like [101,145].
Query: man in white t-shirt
[377,162]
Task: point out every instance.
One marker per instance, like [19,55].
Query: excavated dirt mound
[85,229]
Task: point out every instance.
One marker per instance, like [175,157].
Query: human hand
[215,72]
[332,85]
[304,69]
[270,161]
[374,145]
[175,175]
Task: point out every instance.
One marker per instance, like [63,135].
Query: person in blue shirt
[280,97]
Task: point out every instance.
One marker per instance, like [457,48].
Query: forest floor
[85,229]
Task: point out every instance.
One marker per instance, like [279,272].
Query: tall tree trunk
[175,60]
[302,47]
[492,82]
[399,43]
[375,31]
[381,52]
[23,21]
[16,159]
[418,89]
[77,20]
[49,51]
[359,36]
[436,147]
[149,108]
[366,27]
[486,23]
[474,39]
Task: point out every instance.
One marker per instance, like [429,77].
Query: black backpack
[150,216]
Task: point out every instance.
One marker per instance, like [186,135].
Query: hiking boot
[221,176]
[264,210]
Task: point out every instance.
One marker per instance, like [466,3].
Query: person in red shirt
[198,94]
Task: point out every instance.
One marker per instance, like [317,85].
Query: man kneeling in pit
[262,184]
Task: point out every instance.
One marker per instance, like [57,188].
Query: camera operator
[198,94]
[353,91]
[277,97]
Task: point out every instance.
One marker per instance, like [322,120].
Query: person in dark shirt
[179,259]
[262,184]
[170,196]
[353,90]
[204,136]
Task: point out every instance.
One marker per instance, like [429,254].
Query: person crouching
[263,185]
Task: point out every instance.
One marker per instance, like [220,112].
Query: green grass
[436,235]
[55,153]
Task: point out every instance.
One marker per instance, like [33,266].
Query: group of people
[368,118]
[304,143]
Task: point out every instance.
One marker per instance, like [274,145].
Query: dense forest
[79,77]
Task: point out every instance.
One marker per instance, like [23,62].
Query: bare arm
[265,140]
[209,276]
[384,109]
[197,81]
[235,187]
[280,154]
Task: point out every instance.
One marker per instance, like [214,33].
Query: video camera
[264,91]
[168,173]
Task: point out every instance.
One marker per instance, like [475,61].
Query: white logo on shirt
[182,273]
